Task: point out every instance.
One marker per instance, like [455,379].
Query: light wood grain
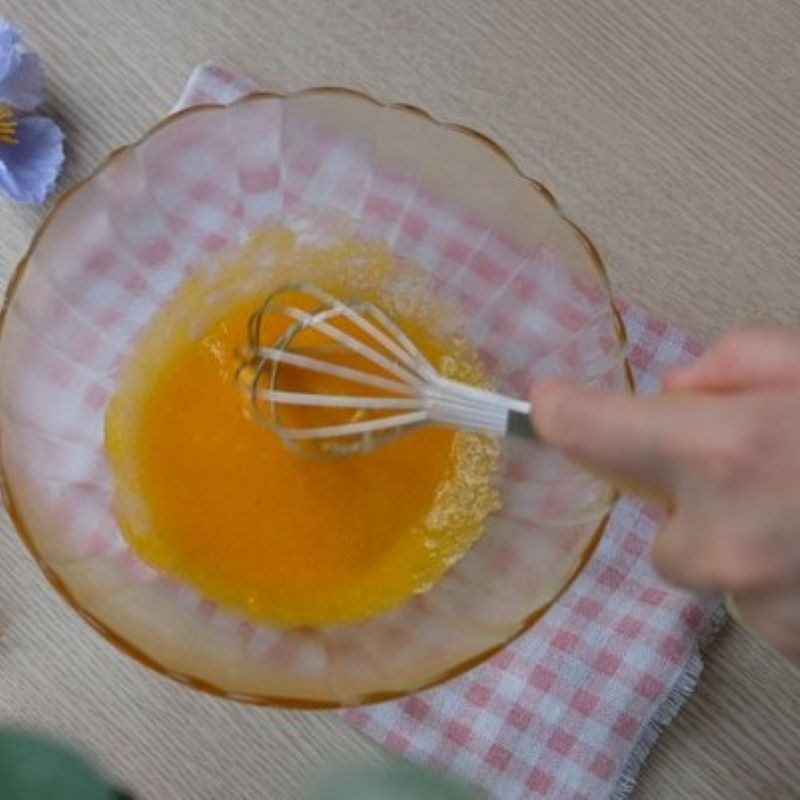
[668,130]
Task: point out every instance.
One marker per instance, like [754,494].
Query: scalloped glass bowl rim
[132,650]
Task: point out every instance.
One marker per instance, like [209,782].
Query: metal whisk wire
[405,392]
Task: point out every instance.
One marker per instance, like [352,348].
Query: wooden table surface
[668,130]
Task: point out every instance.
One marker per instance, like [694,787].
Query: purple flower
[31,147]
[21,79]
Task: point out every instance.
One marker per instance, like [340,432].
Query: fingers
[696,551]
[675,560]
[749,358]
[774,616]
[626,438]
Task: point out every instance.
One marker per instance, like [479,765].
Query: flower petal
[23,87]
[10,43]
[28,170]
[21,75]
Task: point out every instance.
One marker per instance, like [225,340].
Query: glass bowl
[532,290]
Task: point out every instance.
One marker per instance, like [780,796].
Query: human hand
[720,447]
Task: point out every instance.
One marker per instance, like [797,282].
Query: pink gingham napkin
[571,709]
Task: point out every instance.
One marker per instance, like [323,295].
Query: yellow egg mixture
[206,494]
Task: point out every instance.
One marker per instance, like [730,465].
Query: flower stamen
[8,126]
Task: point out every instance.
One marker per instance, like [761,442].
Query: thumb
[621,436]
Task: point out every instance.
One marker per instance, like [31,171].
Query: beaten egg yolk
[206,494]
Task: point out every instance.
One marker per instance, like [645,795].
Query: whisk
[341,377]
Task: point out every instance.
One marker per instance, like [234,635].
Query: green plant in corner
[36,767]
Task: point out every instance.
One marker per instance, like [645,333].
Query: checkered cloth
[571,709]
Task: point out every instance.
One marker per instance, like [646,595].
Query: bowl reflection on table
[493,243]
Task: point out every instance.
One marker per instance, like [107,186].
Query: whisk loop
[339,378]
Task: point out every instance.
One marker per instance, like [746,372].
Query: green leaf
[398,781]
[34,767]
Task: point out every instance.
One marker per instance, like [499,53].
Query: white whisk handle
[470,408]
